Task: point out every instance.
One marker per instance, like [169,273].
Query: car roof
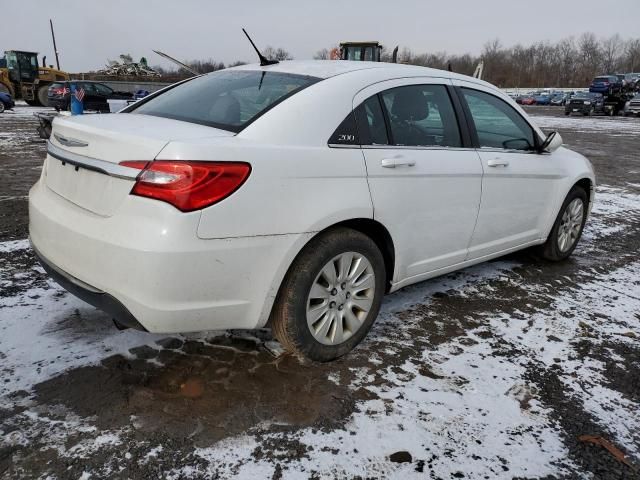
[79,80]
[331,68]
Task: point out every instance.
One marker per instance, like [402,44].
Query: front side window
[229,100]
[421,115]
[497,124]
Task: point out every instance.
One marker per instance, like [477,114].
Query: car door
[91,100]
[102,94]
[518,182]
[424,179]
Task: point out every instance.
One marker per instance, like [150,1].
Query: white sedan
[296,195]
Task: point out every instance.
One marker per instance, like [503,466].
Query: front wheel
[330,296]
[567,229]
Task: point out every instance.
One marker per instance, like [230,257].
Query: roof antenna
[263,60]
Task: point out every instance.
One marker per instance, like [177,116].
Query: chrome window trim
[93,164]
[405,147]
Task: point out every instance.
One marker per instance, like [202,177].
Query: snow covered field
[492,372]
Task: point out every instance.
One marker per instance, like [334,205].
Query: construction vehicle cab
[21,77]
[360,51]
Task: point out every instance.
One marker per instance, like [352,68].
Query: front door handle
[498,162]
[398,161]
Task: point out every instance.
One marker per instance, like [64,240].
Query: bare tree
[632,55]
[277,54]
[322,54]
[612,52]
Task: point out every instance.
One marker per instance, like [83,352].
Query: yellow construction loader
[23,78]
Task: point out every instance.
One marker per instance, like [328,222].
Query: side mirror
[551,143]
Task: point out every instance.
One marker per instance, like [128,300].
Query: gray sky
[89,32]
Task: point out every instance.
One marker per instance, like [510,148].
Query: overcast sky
[90,32]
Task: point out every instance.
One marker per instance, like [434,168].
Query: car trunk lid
[84,154]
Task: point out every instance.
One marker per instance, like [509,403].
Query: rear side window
[421,115]
[229,100]
[497,124]
[103,89]
[371,123]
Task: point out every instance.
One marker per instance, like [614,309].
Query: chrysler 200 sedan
[296,195]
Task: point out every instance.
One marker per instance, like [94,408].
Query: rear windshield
[602,79]
[226,99]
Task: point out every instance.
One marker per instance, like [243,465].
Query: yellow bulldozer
[23,78]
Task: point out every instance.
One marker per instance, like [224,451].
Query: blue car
[606,85]
[6,102]
[543,99]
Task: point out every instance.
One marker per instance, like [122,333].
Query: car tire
[43,95]
[1,107]
[312,326]
[567,229]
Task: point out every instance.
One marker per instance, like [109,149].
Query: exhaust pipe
[394,55]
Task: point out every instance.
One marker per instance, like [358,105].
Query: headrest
[410,104]
[226,109]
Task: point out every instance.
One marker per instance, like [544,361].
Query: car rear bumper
[99,299]
[147,266]
[60,103]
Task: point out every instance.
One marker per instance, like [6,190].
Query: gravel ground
[512,369]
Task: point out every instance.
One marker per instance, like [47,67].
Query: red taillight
[188,185]
[58,91]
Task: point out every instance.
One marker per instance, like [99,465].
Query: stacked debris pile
[128,68]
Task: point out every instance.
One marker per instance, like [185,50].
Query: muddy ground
[497,371]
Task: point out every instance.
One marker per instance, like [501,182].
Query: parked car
[585,103]
[634,80]
[543,99]
[526,100]
[633,107]
[559,99]
[296,195]
[6,102]
[606,85]
[95,95]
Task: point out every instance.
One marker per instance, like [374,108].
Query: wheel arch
[587,183]
[372,228]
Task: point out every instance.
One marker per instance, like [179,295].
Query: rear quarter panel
[291,189]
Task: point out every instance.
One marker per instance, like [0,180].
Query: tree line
[571,62]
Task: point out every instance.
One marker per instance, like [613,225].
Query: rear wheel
[567,229]
[331,295]
[1,107]
[43,95]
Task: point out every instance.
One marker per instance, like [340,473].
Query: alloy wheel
[341,297]
[570,225]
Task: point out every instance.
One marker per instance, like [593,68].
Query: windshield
[229,100]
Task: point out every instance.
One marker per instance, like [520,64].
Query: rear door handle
[397,162]
[498,162]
